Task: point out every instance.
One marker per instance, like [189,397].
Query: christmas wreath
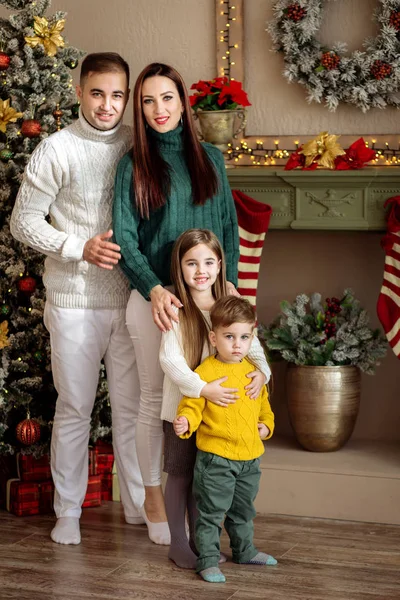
[367,79]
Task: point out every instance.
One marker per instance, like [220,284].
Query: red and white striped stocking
[389,299]
[253,220]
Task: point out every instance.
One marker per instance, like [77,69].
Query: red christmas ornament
[381,69]
[4,61]
[330,60]
[395,19]
[28,431]
[295,12]
[31,128]
[27,285]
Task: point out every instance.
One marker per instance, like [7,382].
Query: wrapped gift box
[30,468]
[106,486]
[92,462]
[46,497]
[116,496]
[93,492]
[22,497]
[105,457]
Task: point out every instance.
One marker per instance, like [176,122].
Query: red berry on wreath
[31,128]
[381,69]
[295,12]
[4,61]
[395,19]
[330,60]
[28,431]
[27,285]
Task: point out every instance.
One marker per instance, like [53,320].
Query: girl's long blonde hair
[194,328]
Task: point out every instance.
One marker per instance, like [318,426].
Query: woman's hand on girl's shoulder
[163,303]
[232,291]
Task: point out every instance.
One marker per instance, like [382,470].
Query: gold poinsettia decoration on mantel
[7,114]
[47,35]
[323,150]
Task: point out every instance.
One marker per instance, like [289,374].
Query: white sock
[66,531]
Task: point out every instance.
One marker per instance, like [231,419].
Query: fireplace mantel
[321,199]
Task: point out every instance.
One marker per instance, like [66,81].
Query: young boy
[227,470]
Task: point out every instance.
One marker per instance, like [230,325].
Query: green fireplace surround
[321,199]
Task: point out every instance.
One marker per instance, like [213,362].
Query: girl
[198,273]
[169,183]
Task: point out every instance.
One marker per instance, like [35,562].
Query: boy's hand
[258,380]
[263,431]
[181,425]
[219,395]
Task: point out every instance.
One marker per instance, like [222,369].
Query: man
[70,178]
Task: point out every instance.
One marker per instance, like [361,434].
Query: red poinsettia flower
[356,156]
[295,160]
[233,92]
[202,86]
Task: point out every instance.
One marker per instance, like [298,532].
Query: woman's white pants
[80,339]
[146,340]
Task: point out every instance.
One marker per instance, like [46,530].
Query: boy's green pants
[225,488]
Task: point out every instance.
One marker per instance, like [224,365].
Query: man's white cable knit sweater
[179,378]
[70,177]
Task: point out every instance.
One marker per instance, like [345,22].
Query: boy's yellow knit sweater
[230,432]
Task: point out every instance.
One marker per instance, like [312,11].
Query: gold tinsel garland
[7,114]
[3,335]
[48,36]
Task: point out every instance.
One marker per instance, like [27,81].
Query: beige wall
[181,32]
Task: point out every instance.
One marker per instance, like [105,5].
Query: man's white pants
[79,339]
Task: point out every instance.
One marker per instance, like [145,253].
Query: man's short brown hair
[103,62]
[231,309]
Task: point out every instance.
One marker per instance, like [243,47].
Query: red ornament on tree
[28,431]
[295,12]
[27,285]
[330,60]
[31,128]
[4,61]
[381,69]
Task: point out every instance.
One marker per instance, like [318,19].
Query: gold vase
[218,126]
[323,404]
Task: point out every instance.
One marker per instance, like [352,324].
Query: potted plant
[216,103]
[326,346]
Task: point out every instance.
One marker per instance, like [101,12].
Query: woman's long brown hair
[151,177]
[194,328]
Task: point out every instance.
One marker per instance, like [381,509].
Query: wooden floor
[318,560]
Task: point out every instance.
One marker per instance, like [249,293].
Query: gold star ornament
[323,150]
[3,335]
[49,36]
[7,114]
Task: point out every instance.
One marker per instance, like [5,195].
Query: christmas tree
[37,97]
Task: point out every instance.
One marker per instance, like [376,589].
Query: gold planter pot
[218,126]
[323,404]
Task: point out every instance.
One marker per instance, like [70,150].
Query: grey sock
[212,575]
[262,559]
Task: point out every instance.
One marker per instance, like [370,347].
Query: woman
[173,183]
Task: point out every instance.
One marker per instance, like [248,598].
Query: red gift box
[92,462]
[46,497]
[106,486]
[22,497]
[93,492]
[33,469]
[105,457]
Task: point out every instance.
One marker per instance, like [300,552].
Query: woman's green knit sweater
[146,244]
